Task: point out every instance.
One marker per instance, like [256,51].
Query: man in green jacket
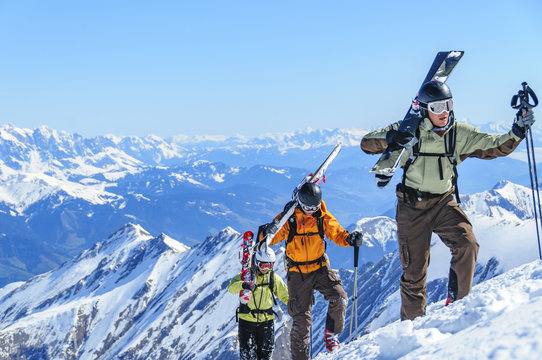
[426,202]
[256,325]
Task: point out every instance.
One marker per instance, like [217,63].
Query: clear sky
[250,67]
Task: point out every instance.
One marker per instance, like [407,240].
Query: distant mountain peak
[506,200]
[129,228]
[173,244]
[503,184]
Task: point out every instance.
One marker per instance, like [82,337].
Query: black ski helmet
[433,91]
[310,195]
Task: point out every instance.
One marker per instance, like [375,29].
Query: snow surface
[500,319]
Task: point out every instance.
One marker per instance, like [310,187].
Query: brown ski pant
[300,289]
[416,221]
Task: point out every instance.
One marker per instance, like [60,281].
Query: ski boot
[331,340]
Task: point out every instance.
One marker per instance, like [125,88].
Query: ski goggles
[438,107]
[265,265]
[310,209]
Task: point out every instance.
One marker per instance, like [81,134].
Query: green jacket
[261,297]
[424,174]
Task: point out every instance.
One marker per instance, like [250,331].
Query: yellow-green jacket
[423,174]
[261,297]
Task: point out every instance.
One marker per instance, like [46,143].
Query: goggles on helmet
[265,265]
[438,107]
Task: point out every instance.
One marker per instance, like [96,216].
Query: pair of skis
[246,266]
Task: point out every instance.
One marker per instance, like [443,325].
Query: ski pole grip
[529,92]
[356,256]
[523,97]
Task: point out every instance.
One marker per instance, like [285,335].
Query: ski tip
[456,53]
[261,245]
[451,52]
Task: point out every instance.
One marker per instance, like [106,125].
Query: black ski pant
[256,340]
[416,221]
[300,288]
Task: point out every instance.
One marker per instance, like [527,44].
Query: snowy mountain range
[60,193]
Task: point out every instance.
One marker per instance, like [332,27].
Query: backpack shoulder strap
[320,223]
[292,226]
[272,285]
[413,154]
[451,153]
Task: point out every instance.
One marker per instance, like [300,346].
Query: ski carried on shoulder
[315,177]
[390,160]
[246,266]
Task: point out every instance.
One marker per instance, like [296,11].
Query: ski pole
[524,105]
[311,340]
[354,314]
[536,201]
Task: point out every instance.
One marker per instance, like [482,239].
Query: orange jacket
[305,248]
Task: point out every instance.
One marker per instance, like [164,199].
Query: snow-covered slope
[131,296]
[90,302]
[500,319]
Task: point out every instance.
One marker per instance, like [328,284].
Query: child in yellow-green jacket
[256,325]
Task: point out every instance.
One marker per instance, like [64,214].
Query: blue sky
[252,67]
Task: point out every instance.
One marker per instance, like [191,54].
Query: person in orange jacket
[309,268]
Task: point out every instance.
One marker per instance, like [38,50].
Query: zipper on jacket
[302,223]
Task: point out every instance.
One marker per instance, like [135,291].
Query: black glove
[355,238]
[248,286]
[400,139]
[523,121]
[269,228]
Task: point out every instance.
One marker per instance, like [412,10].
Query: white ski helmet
[266,255]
